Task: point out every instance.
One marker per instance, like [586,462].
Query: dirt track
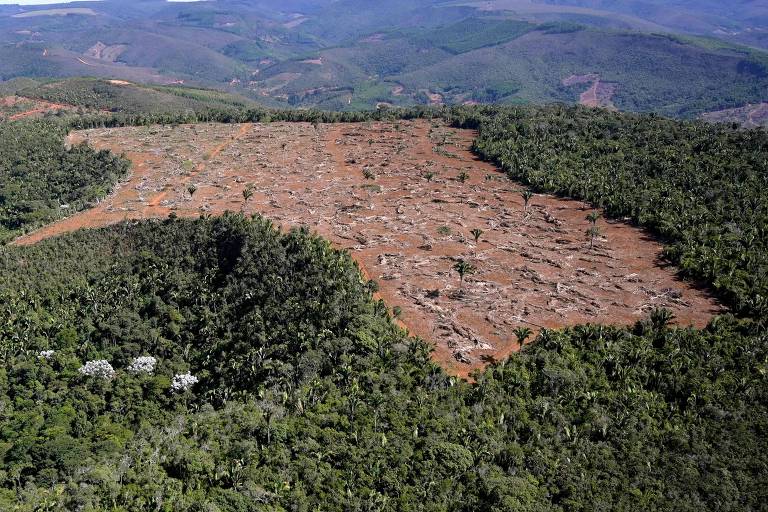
[364,187]
[30,107]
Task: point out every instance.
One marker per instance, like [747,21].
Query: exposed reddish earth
[534,268]
[18,107]
[749,116]
[600,94]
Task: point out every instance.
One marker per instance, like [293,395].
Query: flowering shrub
[183,381]
[144,364]
[99,368]
[46,354]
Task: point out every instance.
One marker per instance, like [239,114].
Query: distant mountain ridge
[359,54]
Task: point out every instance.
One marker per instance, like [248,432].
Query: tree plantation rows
[310,398]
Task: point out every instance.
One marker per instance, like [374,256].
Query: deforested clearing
[409,201]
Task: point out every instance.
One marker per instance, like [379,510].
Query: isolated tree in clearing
[247,194]
[527,195]
[593,217]
[463,268]
[592,233]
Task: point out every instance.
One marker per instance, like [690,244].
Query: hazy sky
[45,2]
[27,2]
[32,2]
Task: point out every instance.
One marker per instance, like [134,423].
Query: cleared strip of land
[404,198]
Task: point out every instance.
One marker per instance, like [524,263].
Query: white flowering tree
[46,354]
[183,381]
[143,364]
[99,368]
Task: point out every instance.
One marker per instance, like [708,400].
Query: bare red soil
[364,187]
[21,108]
[600,94]
[749,116]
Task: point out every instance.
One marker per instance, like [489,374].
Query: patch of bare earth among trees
[14,108]
[599,94]
[748,116]
[412,205]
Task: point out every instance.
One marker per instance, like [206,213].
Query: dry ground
[14,108]
[749,116]
[600,94]
[364,187]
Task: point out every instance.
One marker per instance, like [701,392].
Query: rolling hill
[359,54]
[126,97]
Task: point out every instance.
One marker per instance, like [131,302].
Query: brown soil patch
[599,95]
[748,116]
[534,268]
[14,108]
[102,51]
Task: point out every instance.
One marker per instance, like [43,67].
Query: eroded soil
[393,195]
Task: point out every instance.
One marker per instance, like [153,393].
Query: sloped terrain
[395,196]
[359,54]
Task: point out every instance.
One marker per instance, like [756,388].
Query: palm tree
[463,269]
[247,194]
[527,196]
[592,233]
[476,233]
[522,334]
[191,188]
[593,217]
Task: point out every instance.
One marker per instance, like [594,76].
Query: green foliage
[700,187]
[103,95]
[463,268]
[41,180]
[474,33]
[310,398]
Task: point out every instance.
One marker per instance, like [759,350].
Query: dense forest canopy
[41,180]
[703,188]
[309,397]
[220,365]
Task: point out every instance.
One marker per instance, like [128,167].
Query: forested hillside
[41,180]
[106,96]
[357,54]
[220,365]
[700,187]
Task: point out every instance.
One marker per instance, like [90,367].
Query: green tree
[593,217]
[248,192]
[527,195]
[463,268]
[522,334]
[592,233]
